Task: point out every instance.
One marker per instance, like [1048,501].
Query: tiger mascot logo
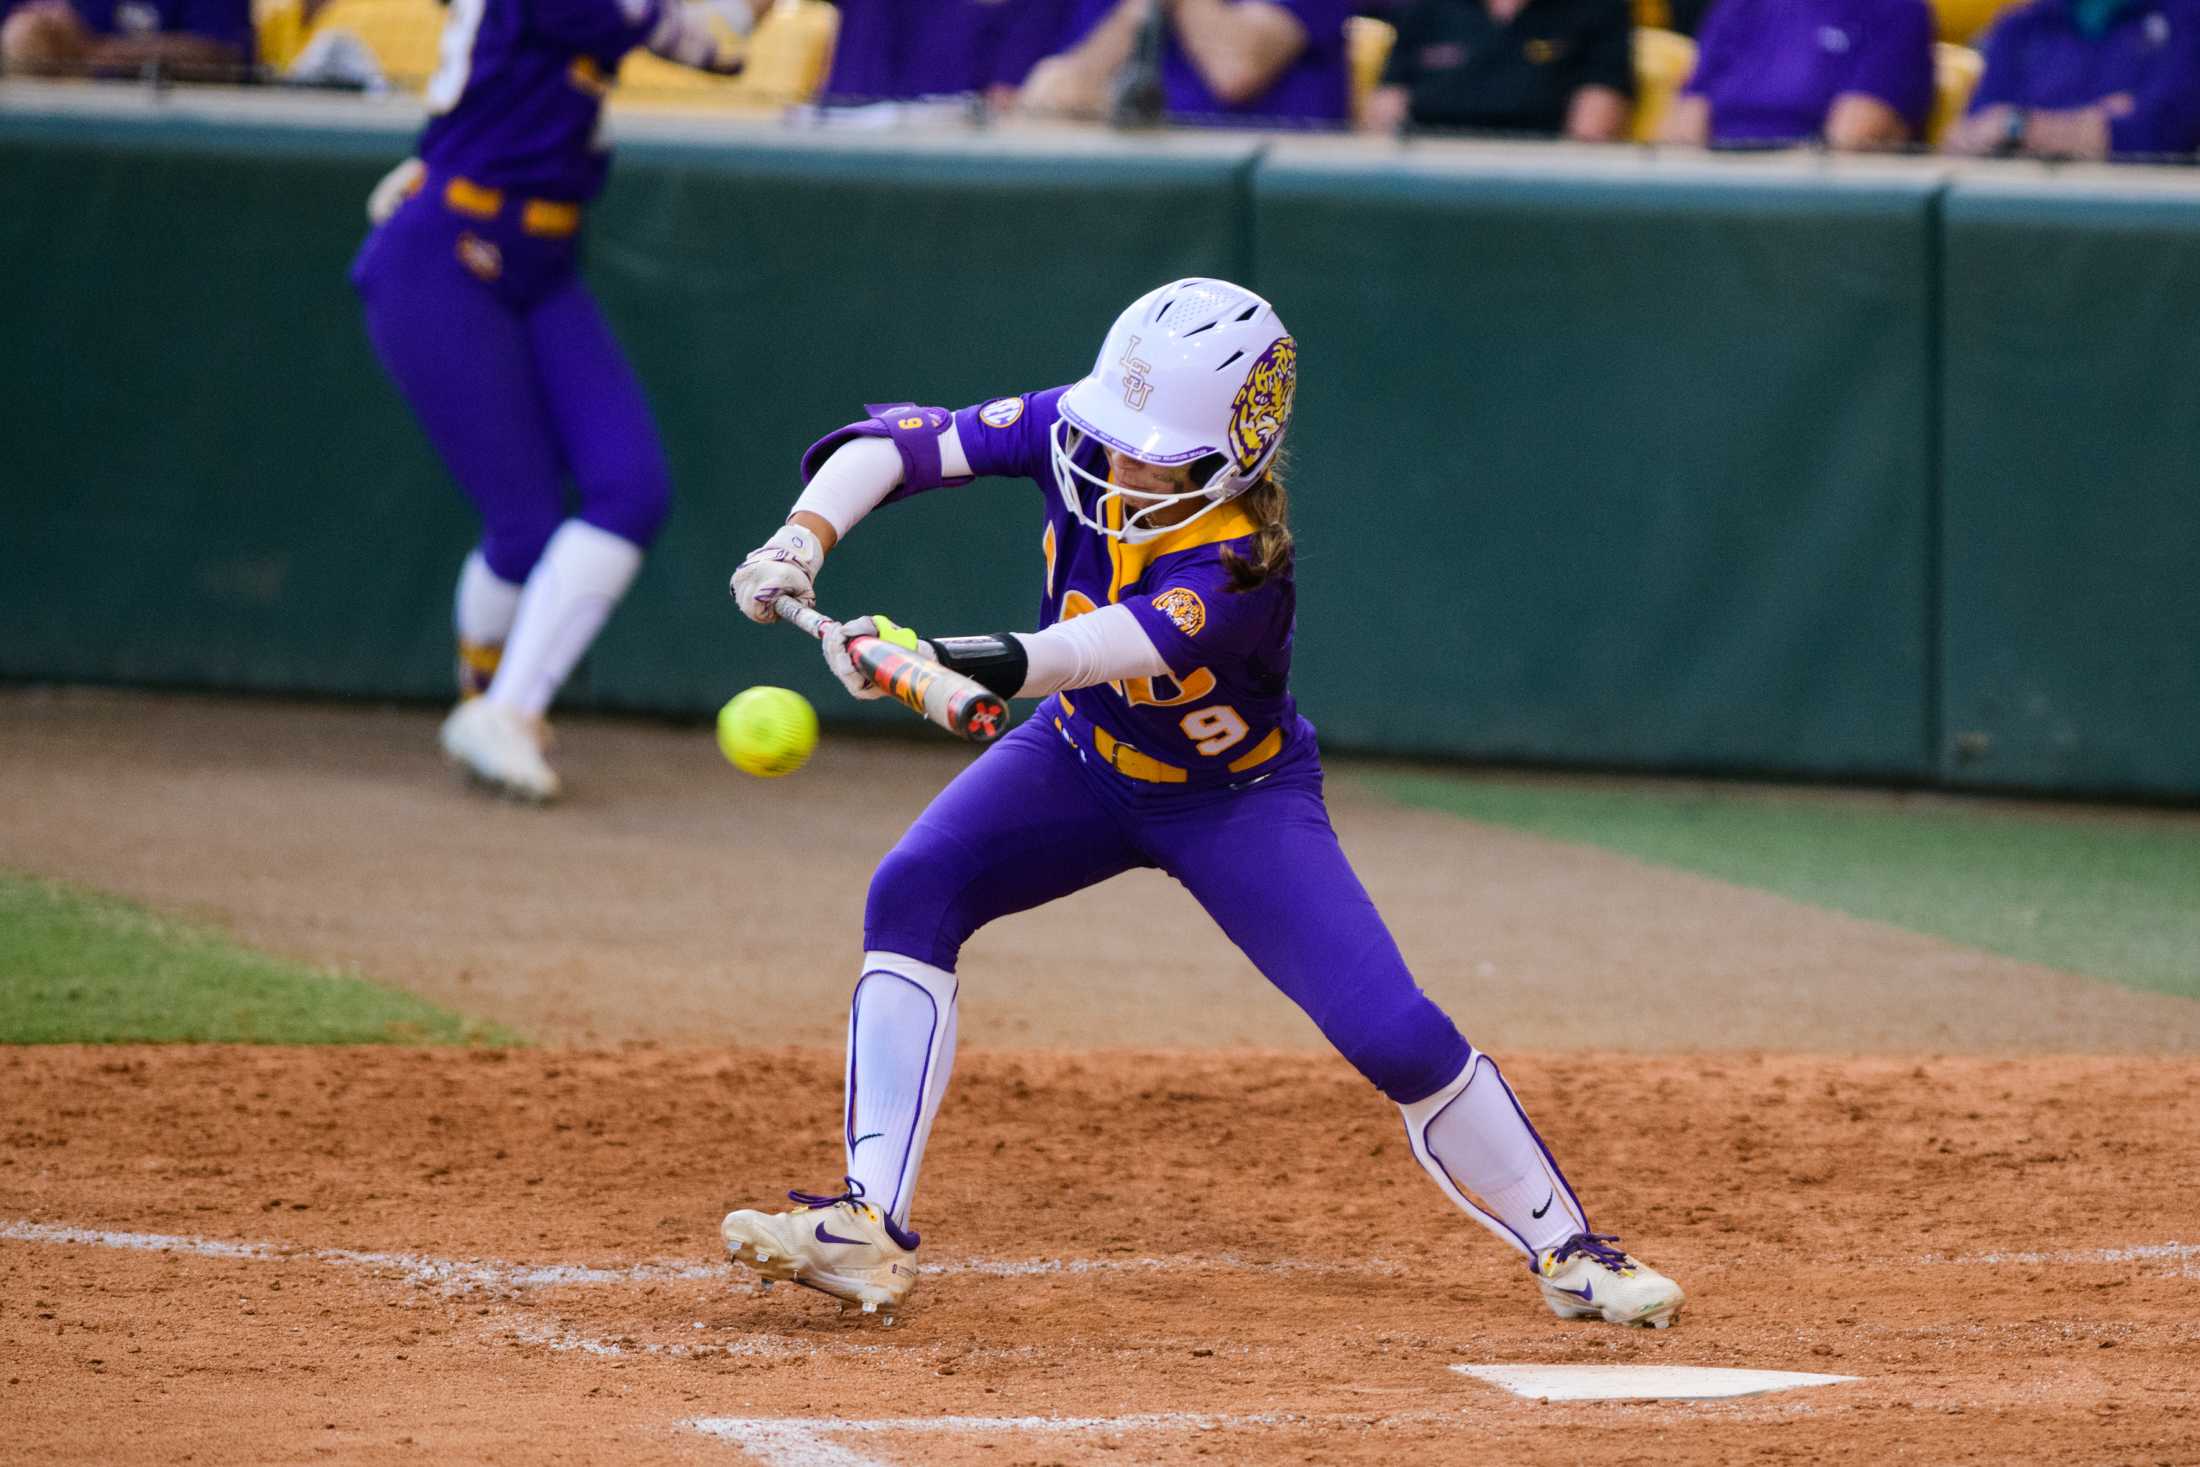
[1262,408]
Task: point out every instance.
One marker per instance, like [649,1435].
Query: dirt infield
[1208,1243]
[472,1257]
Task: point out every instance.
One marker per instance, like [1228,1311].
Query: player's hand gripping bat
[954,702]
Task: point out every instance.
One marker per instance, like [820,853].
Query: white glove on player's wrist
[853,678]
[785,565]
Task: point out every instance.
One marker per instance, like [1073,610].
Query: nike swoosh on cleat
[825,1237]
[1585,1292]
[1546,1207]
[872,1136]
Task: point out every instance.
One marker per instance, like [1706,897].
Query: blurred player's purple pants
[1031,821]
[517,380]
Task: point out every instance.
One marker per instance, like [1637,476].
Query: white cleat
[1586,1277]
[840,1246]
[501,748]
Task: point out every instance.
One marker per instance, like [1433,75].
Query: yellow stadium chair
[788,57]
[1964,21]
[1663,61]
[1956,70]
[402,34]
[278,31]
[1368,42]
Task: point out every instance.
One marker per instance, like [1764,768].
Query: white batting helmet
[1196,369]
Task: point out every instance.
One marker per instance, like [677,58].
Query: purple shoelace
[1597,1245]
[814,1199]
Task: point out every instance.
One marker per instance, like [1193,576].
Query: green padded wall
[1735,468]
[1609,471]
[207,481]
[2071,600]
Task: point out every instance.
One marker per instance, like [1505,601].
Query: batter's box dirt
[436,1256]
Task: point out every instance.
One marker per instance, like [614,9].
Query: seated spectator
[2088,79]
[1527,66]
[917,50]
[1221,61]
[211,39]
[1856,73]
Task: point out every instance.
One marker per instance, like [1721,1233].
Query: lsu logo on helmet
[1181,604]
[1262,408]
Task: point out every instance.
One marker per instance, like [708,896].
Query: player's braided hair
[1271,510]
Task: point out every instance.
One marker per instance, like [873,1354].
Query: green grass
[2115,897]
[77,967]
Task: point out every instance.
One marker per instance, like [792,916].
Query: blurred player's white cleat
[840,1246]
[500,747]
[1586,1277]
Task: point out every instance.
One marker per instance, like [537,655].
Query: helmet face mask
[1195,370]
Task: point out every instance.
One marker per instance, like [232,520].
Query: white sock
[486,604]
[1474,1139]
[901,1048]
[570,593]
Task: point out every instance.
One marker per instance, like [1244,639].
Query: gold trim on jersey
[1136,764]
[1129,561]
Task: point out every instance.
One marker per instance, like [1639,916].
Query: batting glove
[852,677]
[785,565]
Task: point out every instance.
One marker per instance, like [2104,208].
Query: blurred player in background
[475,307]
[1168,739]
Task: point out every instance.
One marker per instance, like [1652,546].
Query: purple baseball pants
[1031,820]
[516,377]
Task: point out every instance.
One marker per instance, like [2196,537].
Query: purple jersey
[2037,57]
[518,92]
[1225,710]
[1772,68]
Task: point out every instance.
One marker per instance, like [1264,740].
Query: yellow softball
[767,732]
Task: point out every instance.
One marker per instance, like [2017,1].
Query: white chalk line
[455,1274]
[2182,1259]
[806,1441]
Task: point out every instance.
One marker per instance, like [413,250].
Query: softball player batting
[1168,738]
[475,307]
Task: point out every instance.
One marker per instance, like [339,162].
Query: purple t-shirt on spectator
[229,21]
[2036,57]
[901,50]
[1772,68]
[1315,88]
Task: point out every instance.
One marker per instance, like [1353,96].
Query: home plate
[1640,1382]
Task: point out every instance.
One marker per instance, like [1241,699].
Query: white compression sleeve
[485,605]
[901,1049]
[860,474]
[1474,1140]
[568,597]
[1098,647]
